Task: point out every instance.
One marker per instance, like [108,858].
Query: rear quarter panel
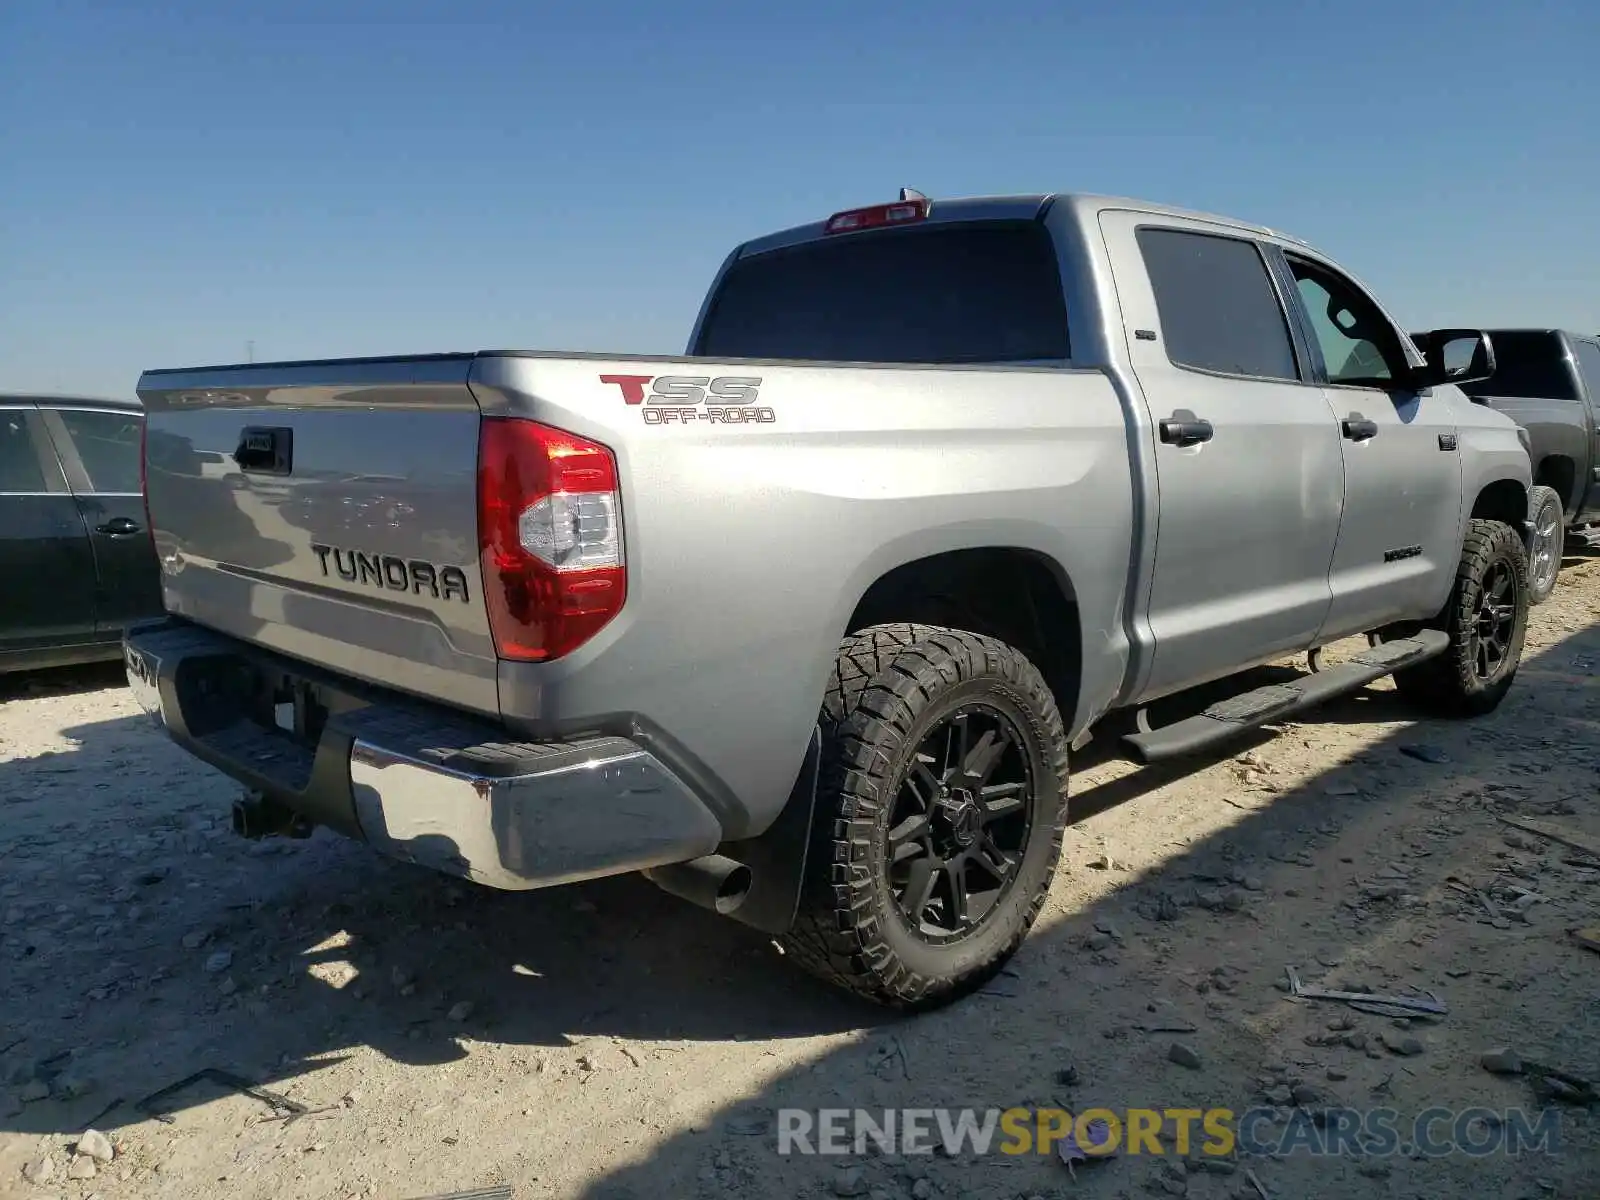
[749,545]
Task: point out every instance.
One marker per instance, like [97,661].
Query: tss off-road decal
[682,399]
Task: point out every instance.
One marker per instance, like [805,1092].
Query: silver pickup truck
[803,625]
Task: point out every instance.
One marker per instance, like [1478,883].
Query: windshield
[986,292]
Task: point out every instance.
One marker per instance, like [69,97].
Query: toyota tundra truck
[804,624]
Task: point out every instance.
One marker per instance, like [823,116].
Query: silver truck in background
[804,625]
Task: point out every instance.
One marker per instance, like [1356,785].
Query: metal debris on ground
[1556,833]
[283,1108]
[1257,1184]
[1426,1003]
[1560,1086]
[500,1191]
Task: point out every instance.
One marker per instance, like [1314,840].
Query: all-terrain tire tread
[1446,684]
[883,676]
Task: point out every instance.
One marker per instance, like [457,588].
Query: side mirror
[1454,356]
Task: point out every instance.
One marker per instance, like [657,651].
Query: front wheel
[1546,542]
[1486,618]
[939,819]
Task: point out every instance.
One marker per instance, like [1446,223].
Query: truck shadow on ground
[182,948]
[1318,863]
[62,681]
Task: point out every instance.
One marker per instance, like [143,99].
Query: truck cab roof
[1024,207]
[51,400]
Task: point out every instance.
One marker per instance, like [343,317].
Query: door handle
[118,527]
[1357,428]
[1183,428]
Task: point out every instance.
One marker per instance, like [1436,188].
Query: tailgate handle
[265,450]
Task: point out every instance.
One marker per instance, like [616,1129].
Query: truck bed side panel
[749,544]
[1558,430]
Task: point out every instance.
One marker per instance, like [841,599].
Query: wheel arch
[1017,595]
[1502,500]
[1559,473]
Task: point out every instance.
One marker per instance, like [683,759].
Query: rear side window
[981,292]
[1527,363]
[108,447]
[1219,311]
[19,465]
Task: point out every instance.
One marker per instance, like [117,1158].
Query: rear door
[1247,454]
[99,450]
[47,579]
[1400,538]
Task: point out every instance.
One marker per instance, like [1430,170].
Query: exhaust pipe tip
[255,817]
[715,882]
[733,889]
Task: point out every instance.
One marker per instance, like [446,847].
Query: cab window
[19,461]
[1359,346]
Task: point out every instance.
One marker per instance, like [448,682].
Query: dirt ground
[610,1041]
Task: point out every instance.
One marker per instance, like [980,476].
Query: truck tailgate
[327,511]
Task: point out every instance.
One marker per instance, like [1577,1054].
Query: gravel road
[607,1040]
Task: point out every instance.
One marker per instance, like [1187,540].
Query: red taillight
[878,215]
[549,538]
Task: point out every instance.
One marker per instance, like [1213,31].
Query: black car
[77,564]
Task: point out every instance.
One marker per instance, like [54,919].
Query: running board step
[1237,714]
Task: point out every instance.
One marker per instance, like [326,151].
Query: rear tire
[943,792]
[1486,618]
[1546,542]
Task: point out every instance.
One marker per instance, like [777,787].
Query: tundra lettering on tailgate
[393,573]
[680,399]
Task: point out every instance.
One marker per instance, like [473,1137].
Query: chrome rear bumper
[432,787]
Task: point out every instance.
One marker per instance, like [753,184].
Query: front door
[1400,539]
[1246,450]
[100,450]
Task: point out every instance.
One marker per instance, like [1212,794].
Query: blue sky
[347,177]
